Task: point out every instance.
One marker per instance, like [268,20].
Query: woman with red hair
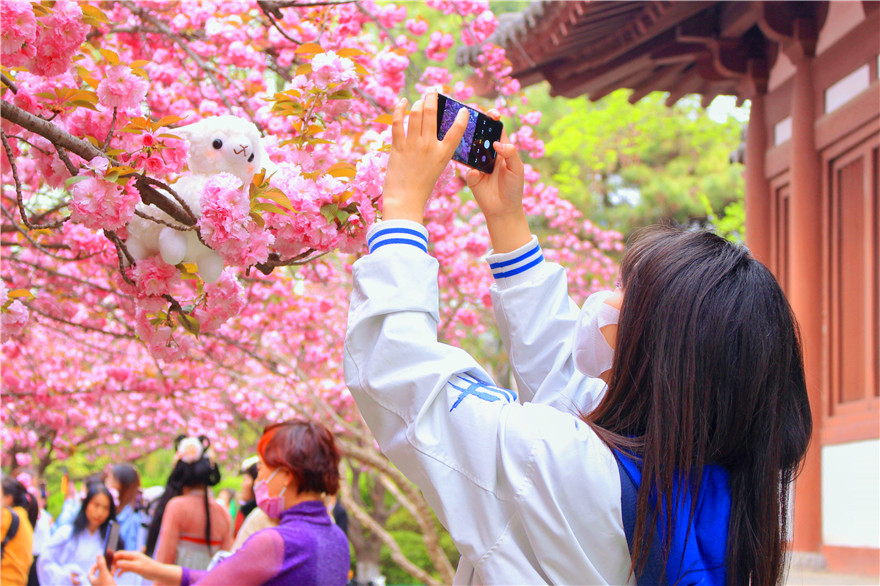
[299,464]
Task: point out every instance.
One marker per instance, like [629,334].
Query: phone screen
[111,542]
[475,149]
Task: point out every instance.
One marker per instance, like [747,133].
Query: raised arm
[535,316]
[435,413]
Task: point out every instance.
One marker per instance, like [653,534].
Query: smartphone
[475,149]
[111,542]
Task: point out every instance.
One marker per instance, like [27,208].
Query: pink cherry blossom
[62,33]
[121,88]
[13,320]
[439,45]
[18,28]
[153,276]
[102,204]
[417,26]
[328,68]
[226,225]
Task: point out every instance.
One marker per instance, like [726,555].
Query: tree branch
[365,519]
[50,132]
[9,83]
[18,194]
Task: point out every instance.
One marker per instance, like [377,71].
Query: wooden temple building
[810,73]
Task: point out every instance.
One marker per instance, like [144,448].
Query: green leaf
[189,323]
[75,179]
[309,49]
[269,207]
[20,294]
[278,197]
[166,120]
[84,104]
[342,170]
[111,57]
[342,95]
[329,211]
[93,13]
[350,52]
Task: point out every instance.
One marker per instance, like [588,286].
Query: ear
[179,439]
[206,443]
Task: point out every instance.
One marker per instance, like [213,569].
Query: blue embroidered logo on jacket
[470,386]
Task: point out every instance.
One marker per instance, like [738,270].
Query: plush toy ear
[206,443]
[179,439]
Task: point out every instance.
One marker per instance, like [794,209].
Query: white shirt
[66,554]
[42,532]
[526,489]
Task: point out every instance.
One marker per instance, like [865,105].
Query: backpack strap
[14,522]
[629,492]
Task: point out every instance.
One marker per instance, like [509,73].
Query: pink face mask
[271,505]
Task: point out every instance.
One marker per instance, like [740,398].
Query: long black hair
[708,369]
[81,521]
[129,482]
[22,498]
[202,472]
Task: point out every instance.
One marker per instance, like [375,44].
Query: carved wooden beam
[795,25]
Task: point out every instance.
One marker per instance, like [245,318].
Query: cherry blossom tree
[108,354]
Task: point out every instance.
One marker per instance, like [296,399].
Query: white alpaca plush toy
[216,145]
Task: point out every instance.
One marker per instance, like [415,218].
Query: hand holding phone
[111,542]
[475,149]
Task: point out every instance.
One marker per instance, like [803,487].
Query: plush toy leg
[210,266]
[172,245]
[136,249]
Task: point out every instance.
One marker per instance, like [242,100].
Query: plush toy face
[224,144]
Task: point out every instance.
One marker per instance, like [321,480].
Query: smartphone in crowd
[475,149]
[111,542]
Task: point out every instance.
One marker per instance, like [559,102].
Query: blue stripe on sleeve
[519,270]
[418,245]
[520,258]
[384,231]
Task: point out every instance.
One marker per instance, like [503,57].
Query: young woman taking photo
[677,472]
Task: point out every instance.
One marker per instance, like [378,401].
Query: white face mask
[592,354]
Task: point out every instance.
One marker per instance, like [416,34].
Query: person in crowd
[298,464]
[226,499]
[678,471]
[124,483]
[16,495]
[42,533]
[73,499]
[71,550]
[338,511]
[16,532]
[188,525]
[257,520]
[246,501]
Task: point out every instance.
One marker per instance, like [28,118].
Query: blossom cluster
[46,44]
[117,355]
[226,225]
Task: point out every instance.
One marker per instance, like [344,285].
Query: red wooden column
[757,188]
[805,276]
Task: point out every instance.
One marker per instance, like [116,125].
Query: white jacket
[527,490]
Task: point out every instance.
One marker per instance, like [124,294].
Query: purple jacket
[305,548]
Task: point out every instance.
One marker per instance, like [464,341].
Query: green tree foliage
[630,165]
